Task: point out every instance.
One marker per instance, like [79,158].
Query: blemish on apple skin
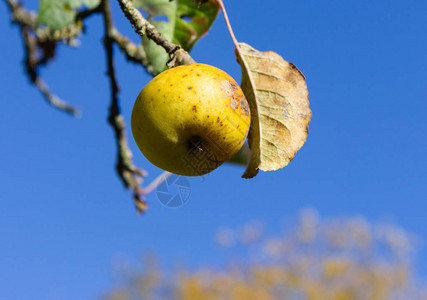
[194,108]
[185,75]
[231,90]
[228,87]
[217,120]
[244,105]
[190,87]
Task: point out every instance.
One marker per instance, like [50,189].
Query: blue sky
[65,217]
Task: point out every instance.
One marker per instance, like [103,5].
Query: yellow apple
[190,119]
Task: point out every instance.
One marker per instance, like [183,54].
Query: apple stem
[230,30]
[227,22]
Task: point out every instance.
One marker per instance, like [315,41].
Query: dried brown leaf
[280,113]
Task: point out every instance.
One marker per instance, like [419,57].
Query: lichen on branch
[144,28]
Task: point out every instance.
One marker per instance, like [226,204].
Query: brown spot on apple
[244,105]
[231,90]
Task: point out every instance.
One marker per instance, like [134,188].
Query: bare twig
[26,21]
[156,182]
[40,44]
[134,53]
[54,100]
[129,174]
[20,15]
[144,28]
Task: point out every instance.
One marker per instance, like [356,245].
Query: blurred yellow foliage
[338,259]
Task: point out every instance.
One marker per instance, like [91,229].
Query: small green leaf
[193,22]
[57,14]
[181,21]
[91,3]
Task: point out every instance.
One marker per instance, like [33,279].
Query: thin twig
[20,15]
[26,21]
[144,28]
[156,182]
[130,175]
[134,53]
[54,100]
[40,45]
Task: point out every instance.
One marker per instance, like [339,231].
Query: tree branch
[144,28]
[40,44]
[132,52]
[28,19]
[20,15]
[130,175]
[54,100]
[27,23]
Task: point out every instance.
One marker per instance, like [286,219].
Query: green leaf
[57,14]
[182,22]
[91,3]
